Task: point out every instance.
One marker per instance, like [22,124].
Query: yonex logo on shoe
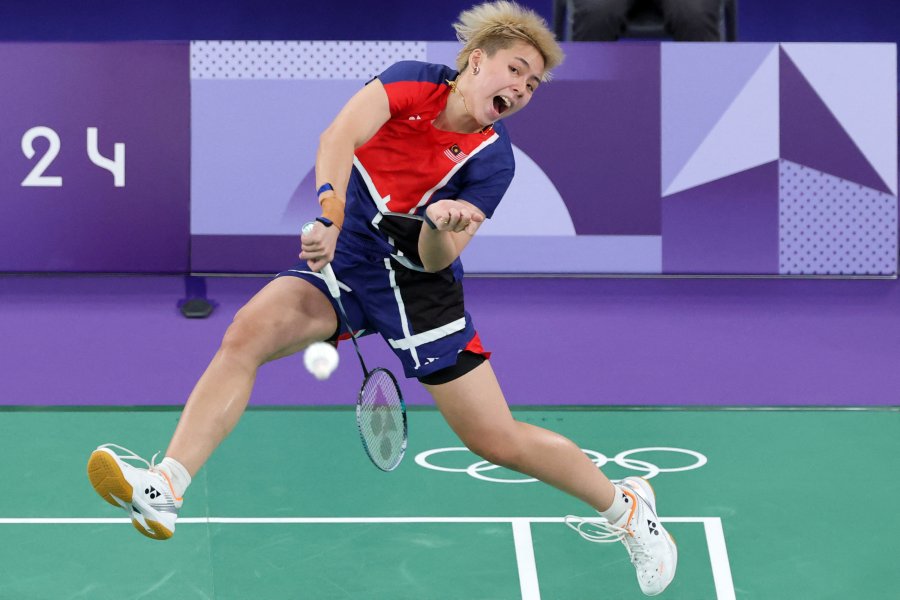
[152,492]
[652,527]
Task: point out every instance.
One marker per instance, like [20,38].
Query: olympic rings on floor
[624,459]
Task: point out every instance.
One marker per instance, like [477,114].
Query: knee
[247,338]
[237,341]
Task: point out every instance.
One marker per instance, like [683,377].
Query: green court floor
[764,504]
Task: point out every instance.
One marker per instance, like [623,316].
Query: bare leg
[285,316]
[476,410]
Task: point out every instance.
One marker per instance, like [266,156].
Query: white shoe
[145,494]
[652,550]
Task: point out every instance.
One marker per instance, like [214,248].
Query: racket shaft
[334,289]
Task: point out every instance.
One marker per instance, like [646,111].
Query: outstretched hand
[317,246]
[450,215]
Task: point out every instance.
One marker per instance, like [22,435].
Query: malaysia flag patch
[455,154]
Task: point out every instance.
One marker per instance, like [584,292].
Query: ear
[475,57]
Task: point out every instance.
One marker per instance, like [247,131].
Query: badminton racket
[380,409]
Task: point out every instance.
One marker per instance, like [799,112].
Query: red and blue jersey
[409,163]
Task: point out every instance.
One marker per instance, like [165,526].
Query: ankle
[176,474]
[620,507]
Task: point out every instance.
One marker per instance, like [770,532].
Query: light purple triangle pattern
[831,226]
[858,84]
[698,86]
[746,136]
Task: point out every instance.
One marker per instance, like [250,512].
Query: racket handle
[326,271]
[331,281]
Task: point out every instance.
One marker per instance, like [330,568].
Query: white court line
[718,556]
[528,580]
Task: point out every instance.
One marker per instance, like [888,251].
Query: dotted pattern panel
[831,226]
[298,60]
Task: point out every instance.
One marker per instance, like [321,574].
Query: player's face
[505,82]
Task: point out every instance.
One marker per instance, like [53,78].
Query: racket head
[381,419]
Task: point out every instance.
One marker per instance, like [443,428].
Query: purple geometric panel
[605,162]
[830,226]
[811,135]
[699,83]
[858,84]
[728,226]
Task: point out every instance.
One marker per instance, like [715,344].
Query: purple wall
[77,216]
[121,341]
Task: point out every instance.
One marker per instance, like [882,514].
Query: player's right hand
[317,246]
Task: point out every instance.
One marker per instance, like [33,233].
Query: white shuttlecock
[321,359]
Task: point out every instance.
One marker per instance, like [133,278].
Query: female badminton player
[426,139]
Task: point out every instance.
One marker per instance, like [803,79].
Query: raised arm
[355,124]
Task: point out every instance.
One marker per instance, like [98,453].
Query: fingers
[316,265]
[473,224]
[457,220]
[317,247]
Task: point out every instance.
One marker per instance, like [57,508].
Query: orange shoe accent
[631,512]
[171,487]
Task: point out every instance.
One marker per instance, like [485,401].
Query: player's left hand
[455,216]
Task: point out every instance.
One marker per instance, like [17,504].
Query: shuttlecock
[321,359]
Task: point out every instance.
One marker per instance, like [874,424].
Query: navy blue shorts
[420,315]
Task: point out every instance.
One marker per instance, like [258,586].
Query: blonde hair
[497,25]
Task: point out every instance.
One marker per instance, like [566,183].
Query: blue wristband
[325,221]
[326,187]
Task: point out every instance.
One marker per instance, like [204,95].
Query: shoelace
[130,455]
[596,529]
[601,531]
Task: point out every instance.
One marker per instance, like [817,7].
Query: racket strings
[381,422]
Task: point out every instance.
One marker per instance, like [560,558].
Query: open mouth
[501,104]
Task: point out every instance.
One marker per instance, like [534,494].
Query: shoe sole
[109,482]
[156,531]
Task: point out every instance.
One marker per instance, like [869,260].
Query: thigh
[473,405]
[284,317]
[350,271]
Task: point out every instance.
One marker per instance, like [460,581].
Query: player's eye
[515,70]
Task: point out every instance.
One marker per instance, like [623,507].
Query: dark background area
[64,20]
